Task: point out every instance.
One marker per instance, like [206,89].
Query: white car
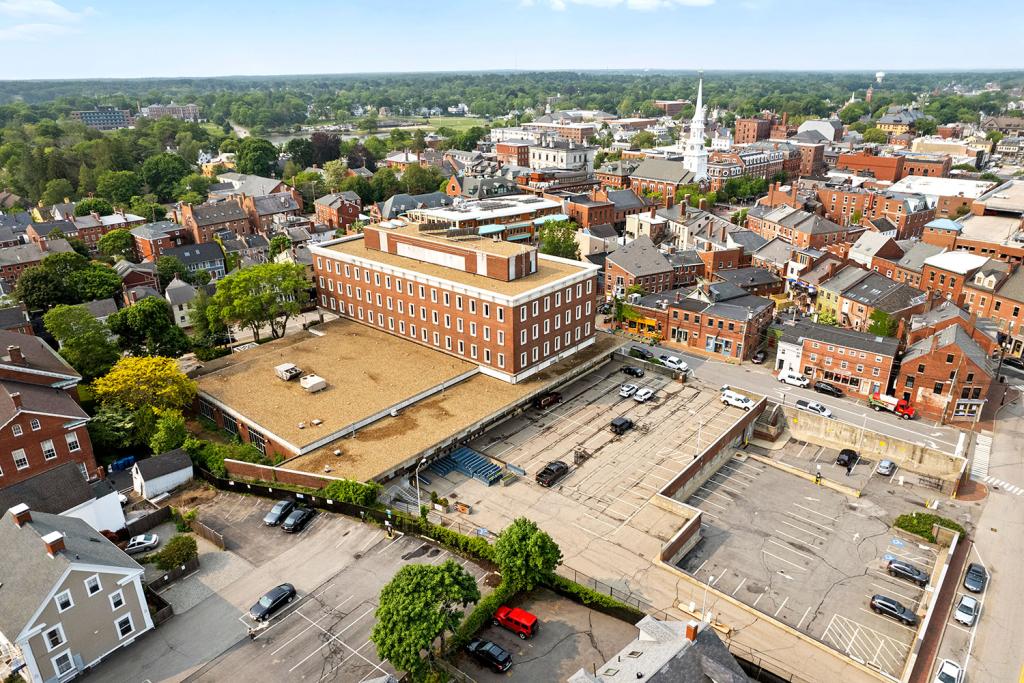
[793,378]
[643,394]
[949,672]
[627,390]
[967,610]
[139,544]
[676,364]
[731,398]
[813,407]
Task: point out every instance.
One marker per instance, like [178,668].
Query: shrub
[482,613]
[208,353]
[920,524]
[211,456]
[473,546]
[591,598]
[355,492]
[178,551]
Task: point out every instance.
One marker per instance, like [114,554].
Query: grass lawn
[458,123]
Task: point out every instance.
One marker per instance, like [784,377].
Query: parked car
[517,620]
[545,400]
[793,378]
[642,395]
[882,604]
[976,578]
[813,407]
[829,389]
[1013,362]
[675,363]
[847,457]
[627,390]
[758,357]
[731,398]
[273,600]
[949,671]
[277,514]
[905,570]
[641,352]
[552,472]
[632,371]
[886,468]
[621,425]
[489,654]
[297,520]
[967,610]
[142,543]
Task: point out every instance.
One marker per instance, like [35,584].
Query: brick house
[16,319]
[908,213]
[996,291]
[262,211]
[339,209]
[660,176]
[616,174]
[753,129]
[204,220]
[16,260]
[921,164]
[513,152]
[207,256]
[43,425]
[876,292]
[946,376]
[799,228]
[946,274]
[908,267]
[588,211]
[137,274]
[637,263]
[866,163]
[153,239]
[858,362]
[752,280]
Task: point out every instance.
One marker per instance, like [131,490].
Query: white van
[793,378]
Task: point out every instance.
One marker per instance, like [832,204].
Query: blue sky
[118,38]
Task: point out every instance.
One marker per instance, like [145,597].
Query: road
[760,379]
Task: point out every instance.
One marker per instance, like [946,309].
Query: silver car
[967,610]
[142,543]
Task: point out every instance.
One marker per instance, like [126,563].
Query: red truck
[899,406]
[519,621]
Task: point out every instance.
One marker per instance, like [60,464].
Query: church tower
[695,156]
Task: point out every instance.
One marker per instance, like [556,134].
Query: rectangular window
[448,342]
[458,302]
[93,585]
[522,336]
[500,312]
[54,638]
[63,601]
[258,441]
[487,333]
[124,626]
[447,299]
[547,303]
[487,355]
[34,424]
[487,310]
[472,351]
[522,314]
[472,305]
[20,459]
[937,389]
[63,664]
[472,328]
[536,331]
[447,321]
[522,360]
[16,430]
[437,339]
[458,324]
[49,452]
[116,600]
[501,360]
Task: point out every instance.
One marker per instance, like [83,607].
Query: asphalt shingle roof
[862,341]
[640,257]
[165,463]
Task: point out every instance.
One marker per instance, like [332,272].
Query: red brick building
[945,275]
[752,130]
[338,210]
[205,220]
[152,239]
[865,163]
[16,260]
[588,211]
[858,362]
[616,174]
[264,210]
[908,213]
[934,165]
[513,153]
[799,228]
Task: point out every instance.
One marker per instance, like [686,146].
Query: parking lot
[809,557]
[570,637]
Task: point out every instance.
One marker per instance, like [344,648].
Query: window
[970,377]
[487,355]
[501,360]
[522,359]
[34,424]
[500,312]
[458,302]
[54,638]
[472,305]
[447,299]
[448,342]
[920,368]
[501,337]
[258,441]
[20,459]
[92,585]
[124,626]
[63,601]
[487,310]
[49,452]
[910,382]
[937,389]
[949,358]
[63,664]
[16,429]
[522,314]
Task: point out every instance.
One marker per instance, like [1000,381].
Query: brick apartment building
[671,107]
[152,239]
[587,210]
[859,363]
[929,165]
[908,213]
[878,167]
[338,210]
[16,260]
[945,275]
[497,304]
[662,177]
[616,174]
[753,129]
[513,152]
[44,426]
[205,220]
[799,228]
[875,292]
[996,291]
[264,211]
[908,266]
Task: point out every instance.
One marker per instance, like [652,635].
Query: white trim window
[20,459]
[63,664]
[116,600]
[35,425]
[124,626]
[49,452]
[93,585]
[64,601]
[54,638]
[16,430]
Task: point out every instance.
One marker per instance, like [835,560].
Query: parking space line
[894,623]
[800,623]
[720,484]
[889,589]
[784,560]
[737,589]
[388,546]
[820,514]
[697,570]
[715,493]
[799,528]
[795,552]
[783,533]
[781,606]
[734,480]
[328,614]
[739,473]
[373,539]
[759,598]
[334,637]
[807,521]
[704,501]
[345,661]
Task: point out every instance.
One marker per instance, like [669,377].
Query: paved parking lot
[807,556]
[570,637]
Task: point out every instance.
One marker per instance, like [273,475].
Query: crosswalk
[1004,485]
[979,461]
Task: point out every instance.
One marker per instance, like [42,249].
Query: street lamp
[419,506]
[704,603]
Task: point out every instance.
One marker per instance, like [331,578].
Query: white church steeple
[695,156]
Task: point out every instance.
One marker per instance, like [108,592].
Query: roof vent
[313,383]
[287,371]
[317,422]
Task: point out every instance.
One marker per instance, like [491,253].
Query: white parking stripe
[328,614]
[737,590]
[334,637]
[765,552]
[800,623]
[820,514]
[803,530]
[781,606]
[807,521]
[786,547]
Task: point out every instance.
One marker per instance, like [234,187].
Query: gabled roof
[38,355]
[775,250]
[916,253]
[155,231]
[249,185]
[24,584]
[279,202]
[165,463]
[844,279]
[124,266]
[220,211]
[101,308]
[401,203]
[954,335]
[664,171]
[960,262]
[38,399]
[603,231]
[944,224]
[869,244]
[336,199]
[55,490]
[796,332]
[31,253]
[625,200]
[748,277]
[196,253]
[179,292]
[639,258]
[13,316]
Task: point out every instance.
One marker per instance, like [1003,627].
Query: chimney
[703,204]
[16,399]
[692,629]
[21,514]
[686,199]
[54,543]
[670,201]
[14,352]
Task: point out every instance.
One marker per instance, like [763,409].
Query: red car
[519,621]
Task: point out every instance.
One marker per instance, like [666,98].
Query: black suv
[881,604]
[826,388]
[489,654]
[552,472]
[640,352]
[975,578]
[847,457]
[905,570]
[632,371]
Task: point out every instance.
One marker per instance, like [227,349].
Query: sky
[167,38]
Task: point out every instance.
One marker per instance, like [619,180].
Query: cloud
[34,31]
[642,5]
[33,20]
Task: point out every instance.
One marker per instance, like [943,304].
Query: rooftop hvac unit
[313,383]
[287,371]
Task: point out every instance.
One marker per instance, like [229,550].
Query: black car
[632,371]
[881,604]
[826,388]
[640,352]
[976,578]
[489,654]
[1014,362]
[847,457]
[905,570]
[552,472]
[297,520]
[281,509]
[272,601]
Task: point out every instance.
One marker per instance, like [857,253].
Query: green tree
[335,173]
[170,432]
[94,282]
[419,142]
[856,217]
[119,186]
[311,184]
[162,173]
[79,246]
[991,177]
[57,191]
[827,317]
[146,382]
[147,329]
[558,238]
[525,554]
[361,186]
[256,156]
[994,135]
[384,184]
[147,207]
[167,267]
[301,151]
[113,428]
[643,140]
[65,278]
[420,604]
[84,341]
[926,126]
[93,204]
[876,135]
[278,245]
[265,294]
[420,180]
[118,244]
[192,186]
[207,331]
[882,324]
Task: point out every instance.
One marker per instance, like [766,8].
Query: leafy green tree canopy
[265,294]
[525,554]
[162,173]
[558,238]
[84,341]
[93,205]
[256,156]
[118,244]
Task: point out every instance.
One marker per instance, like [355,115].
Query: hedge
[349,491]
[482,613]
[179,550]
[211,456]
[591,598]
[920,524]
